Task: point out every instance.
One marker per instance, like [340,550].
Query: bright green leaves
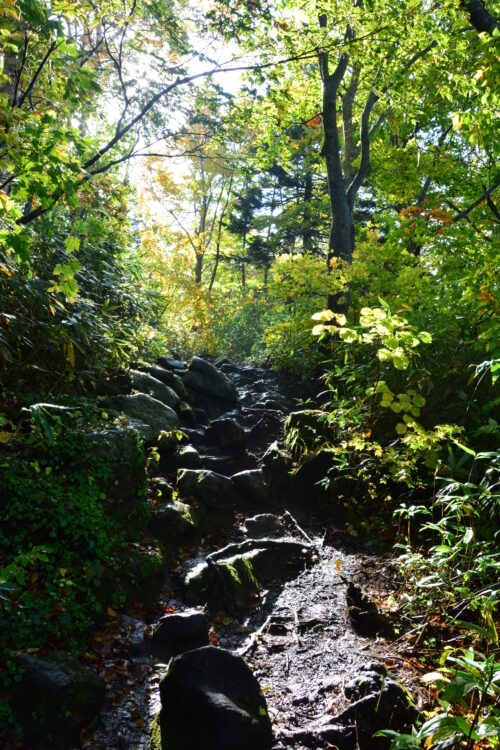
[395,337]
[66,283]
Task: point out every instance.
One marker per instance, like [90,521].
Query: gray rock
[180,632]
[226,432]
[250,485]
[364,614]
[162,489]
[55,699]
[171,363]
[172,520]
[204,377]
[228,465]
[263,525]
[187,413]
[211,700]
[148,410]
[211,489]
[187,458]
[144,383]
[167,377]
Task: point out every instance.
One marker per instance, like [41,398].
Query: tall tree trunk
[343,186]
[308,233]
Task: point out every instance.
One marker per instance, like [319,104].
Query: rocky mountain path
[320,650]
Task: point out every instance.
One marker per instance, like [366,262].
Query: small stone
[211,489]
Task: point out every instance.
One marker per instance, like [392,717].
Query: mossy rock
[155,734]
[54,700]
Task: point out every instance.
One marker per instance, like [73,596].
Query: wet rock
[203,376]
[228,585]
[226,432]
[126,465]
[55,699]
[162,489]
[276,466]
[146,409]
[269,558]
[211,700]
[170,363]
[167,377]
[228,465]
[187,413]
[187,458]
[196,583]
[173,520]
[249,485]
[384,704]
[144,383]
[211,489]
[263,525]
[305,483]
[177,633]
[364,614]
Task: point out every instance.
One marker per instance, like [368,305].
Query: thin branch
[465,212]
[38,72]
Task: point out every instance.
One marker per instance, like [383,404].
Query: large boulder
[54,700]
[145,383]
[226,432]
[203,376]
[211,489]
[172,379]
[250,486]
[147,409]
[211,700]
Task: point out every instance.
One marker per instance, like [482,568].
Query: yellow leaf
[339,566]
[111,612]
[5,436]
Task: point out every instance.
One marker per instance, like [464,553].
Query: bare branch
[465,212]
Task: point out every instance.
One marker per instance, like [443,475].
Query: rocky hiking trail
[256,632]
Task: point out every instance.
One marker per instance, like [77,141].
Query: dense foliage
[307,184]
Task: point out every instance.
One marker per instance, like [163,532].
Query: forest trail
[322,670]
